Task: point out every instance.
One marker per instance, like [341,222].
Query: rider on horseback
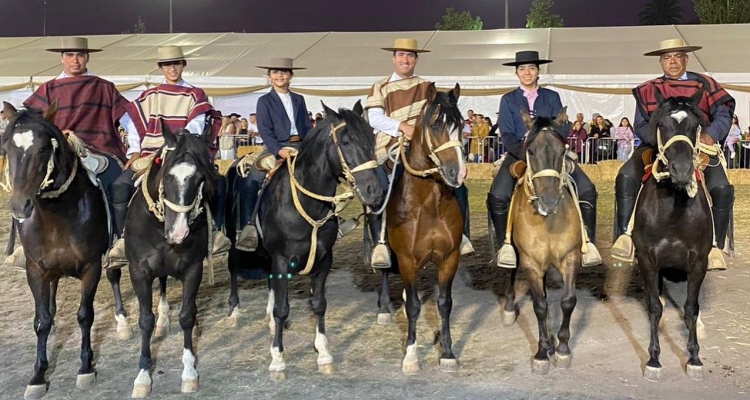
[392,109]
[718,107]
[538,102]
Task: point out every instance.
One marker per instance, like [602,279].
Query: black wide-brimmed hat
[527,57]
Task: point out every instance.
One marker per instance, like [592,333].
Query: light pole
[44,19]
[170,16]
[506,14]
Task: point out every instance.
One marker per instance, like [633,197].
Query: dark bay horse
[672,224]
[62,223]
[424,222]
[546,231]
[302,195]
[167,234]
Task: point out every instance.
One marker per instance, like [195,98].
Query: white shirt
[251,127]
[381,122]
[286,99]
[195,126]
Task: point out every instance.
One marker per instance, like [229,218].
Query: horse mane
[449,113]
[539,124]
[318,138]
[33,118]
[188,143]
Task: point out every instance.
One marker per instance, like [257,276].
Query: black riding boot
[462,196]
[248,189]
[117,253]
[588,213]
[626,192]
[498,210]
[722,198]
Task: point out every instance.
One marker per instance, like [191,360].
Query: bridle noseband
[433,154]
[158,207]
[530,175]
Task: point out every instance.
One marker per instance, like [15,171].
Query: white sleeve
[134,139]
[382,123]
[196,125]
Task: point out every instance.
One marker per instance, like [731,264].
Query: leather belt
[295,139]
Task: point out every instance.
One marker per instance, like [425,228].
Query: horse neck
[315,173]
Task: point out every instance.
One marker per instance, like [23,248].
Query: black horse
[341,146]
[673,226]
[167,234]
[62,223]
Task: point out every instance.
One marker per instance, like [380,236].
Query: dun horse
[672,222]
[62,222]
[297,214]
[546,231]
[166,234]
[424,221]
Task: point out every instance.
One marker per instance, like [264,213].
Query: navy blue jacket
[273,123]
[510,123]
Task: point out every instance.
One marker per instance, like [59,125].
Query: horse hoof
[694,372]
[448,365]
[562,361]
[161,331]
[189,386]
[326,369]
[85,381]
[140,391]
[35,392]
[652,374]
[385,319]
[509,317]
[124,333]
[411,368]
[540,367]
[277,376]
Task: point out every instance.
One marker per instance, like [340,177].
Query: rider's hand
[284,153]
[67,132]
[133,157]
[707,139]
[406,129]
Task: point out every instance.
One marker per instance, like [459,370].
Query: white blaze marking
[182,172]
[679,116]
[24,140]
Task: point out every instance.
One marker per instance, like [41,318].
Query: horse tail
[231,214]
[12,238]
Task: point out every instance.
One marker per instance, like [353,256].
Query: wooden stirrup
[518,169]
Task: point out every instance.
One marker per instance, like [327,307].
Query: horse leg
[652,279]
[270,304]
[280,288]
[162,323]
[188,312]
[142,286]
[567,304]
[234,298]
[89,282]
[319,304]
[384,300]
[509,310]
[540,363]
[692,308]
[410,365]
[40,289]
[446,274]
[53,303]
[123,328]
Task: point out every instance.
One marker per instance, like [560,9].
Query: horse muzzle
[178,230]
[546,205]
[21,207]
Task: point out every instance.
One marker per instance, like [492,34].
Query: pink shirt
[530,96]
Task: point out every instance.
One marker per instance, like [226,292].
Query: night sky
[90,17]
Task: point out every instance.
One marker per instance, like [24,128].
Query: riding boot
[117,253]
[381,256]
[722,198]
[17,260]
[588,212]
[250,192]
[626,192]
[506,256]
[462,195]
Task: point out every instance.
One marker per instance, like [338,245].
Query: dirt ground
[609,328]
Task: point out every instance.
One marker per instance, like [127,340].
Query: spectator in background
[745,147]
[493,144]
[470,117]
[577,138]
[599,149]
[243,127]
[584,125]
[479,131]
[252,131]
[624,135]
[734,137]
[465,135]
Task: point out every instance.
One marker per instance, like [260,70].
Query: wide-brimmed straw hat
[280,63]
[527,57]
[409,45]
[170,53]
[78,44]
[672,46]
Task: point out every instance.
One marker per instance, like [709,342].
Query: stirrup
[623,249]
[466,246]
[592,257]
[716,260]
[381,257]
[506,257]
[17,260]
[346,226]
[247,240]
[221,243]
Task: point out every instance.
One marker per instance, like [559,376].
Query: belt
[295,139]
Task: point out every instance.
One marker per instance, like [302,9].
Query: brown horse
[546,230]
[424,222]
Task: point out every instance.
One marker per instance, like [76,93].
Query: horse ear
[527,120]
[659,96]
[357,109]
[8,110]
[431,93]
[456,91]
[49,115]
[169,138]
[328,111]
[562,116]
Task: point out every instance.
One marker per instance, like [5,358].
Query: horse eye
[531,152]
[344,142]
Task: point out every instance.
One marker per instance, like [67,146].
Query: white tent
[588,59]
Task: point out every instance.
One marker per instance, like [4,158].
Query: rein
[339,201]
[157,207]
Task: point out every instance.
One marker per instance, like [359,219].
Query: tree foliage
[722,11]
[541,15]
[138,27]
[661,12]
[459,21]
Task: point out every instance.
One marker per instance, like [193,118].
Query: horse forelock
[541,124]
[677,116]
[448,115]
[33,121]
[191,147]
